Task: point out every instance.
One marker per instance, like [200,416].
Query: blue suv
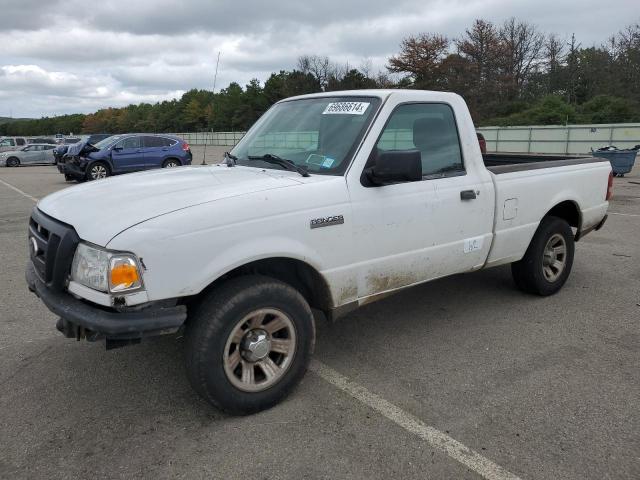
[123,154]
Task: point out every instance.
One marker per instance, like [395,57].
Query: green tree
[608,109]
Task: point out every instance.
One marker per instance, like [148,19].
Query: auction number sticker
[348,108]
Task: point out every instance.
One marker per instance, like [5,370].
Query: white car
[12,143]
[33,154]
[329,202]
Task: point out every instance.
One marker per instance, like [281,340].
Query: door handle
[467,195]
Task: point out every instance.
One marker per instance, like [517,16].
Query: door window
[7,142]
[20,141]
[429,128]
[129,142]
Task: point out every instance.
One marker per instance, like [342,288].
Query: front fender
[172,271]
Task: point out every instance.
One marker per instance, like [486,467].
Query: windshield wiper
[283,162]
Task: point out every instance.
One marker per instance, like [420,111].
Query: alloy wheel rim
[259,350]
[171,165]
[554,257]
[98,171]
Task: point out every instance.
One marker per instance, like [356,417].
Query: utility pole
[215,78]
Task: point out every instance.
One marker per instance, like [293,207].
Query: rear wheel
[97,170]
[248,344]
[171,163]
[13,162]
[547,263]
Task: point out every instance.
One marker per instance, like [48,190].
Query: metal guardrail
[211,138]
[558,139]
[569,139]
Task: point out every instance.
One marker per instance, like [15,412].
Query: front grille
[52,245]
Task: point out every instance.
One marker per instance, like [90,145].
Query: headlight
[106,271]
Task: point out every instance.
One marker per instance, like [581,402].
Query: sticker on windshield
[315,159]
[346,108]
[328,162]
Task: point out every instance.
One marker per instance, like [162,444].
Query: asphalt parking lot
[540,388]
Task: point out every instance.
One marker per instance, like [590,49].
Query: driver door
[127,155]
[413,231]
[32,154]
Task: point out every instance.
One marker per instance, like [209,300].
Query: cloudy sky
[65,56]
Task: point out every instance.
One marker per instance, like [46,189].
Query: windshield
[107,141]
[318,134]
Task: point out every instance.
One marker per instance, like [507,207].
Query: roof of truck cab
[382,93]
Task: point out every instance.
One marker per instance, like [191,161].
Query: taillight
[610,187]
[185,146]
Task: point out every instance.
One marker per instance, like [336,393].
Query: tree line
[509,74]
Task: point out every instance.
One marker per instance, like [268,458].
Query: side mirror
[395,166]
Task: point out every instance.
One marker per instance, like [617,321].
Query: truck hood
[100,210]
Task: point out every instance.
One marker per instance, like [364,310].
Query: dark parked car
[124,154]
[42,140]
[61,149]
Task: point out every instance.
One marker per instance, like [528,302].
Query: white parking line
[16,189]
[434,437]
[624,214]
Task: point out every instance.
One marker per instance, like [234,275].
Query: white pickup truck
[329,202]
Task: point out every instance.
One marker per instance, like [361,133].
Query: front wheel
[249,343]
[97,170]
[547,262]
[13,162]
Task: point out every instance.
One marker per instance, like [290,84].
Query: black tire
[13,162]
[171,163]
[532,274]
[97,170]
[68,177]
[210,328]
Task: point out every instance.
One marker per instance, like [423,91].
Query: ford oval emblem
[34,246]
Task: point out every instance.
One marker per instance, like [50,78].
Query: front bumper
[81,319]
[69,167]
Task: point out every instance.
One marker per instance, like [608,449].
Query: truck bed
[499,163]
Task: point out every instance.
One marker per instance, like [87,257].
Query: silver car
[36,153]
